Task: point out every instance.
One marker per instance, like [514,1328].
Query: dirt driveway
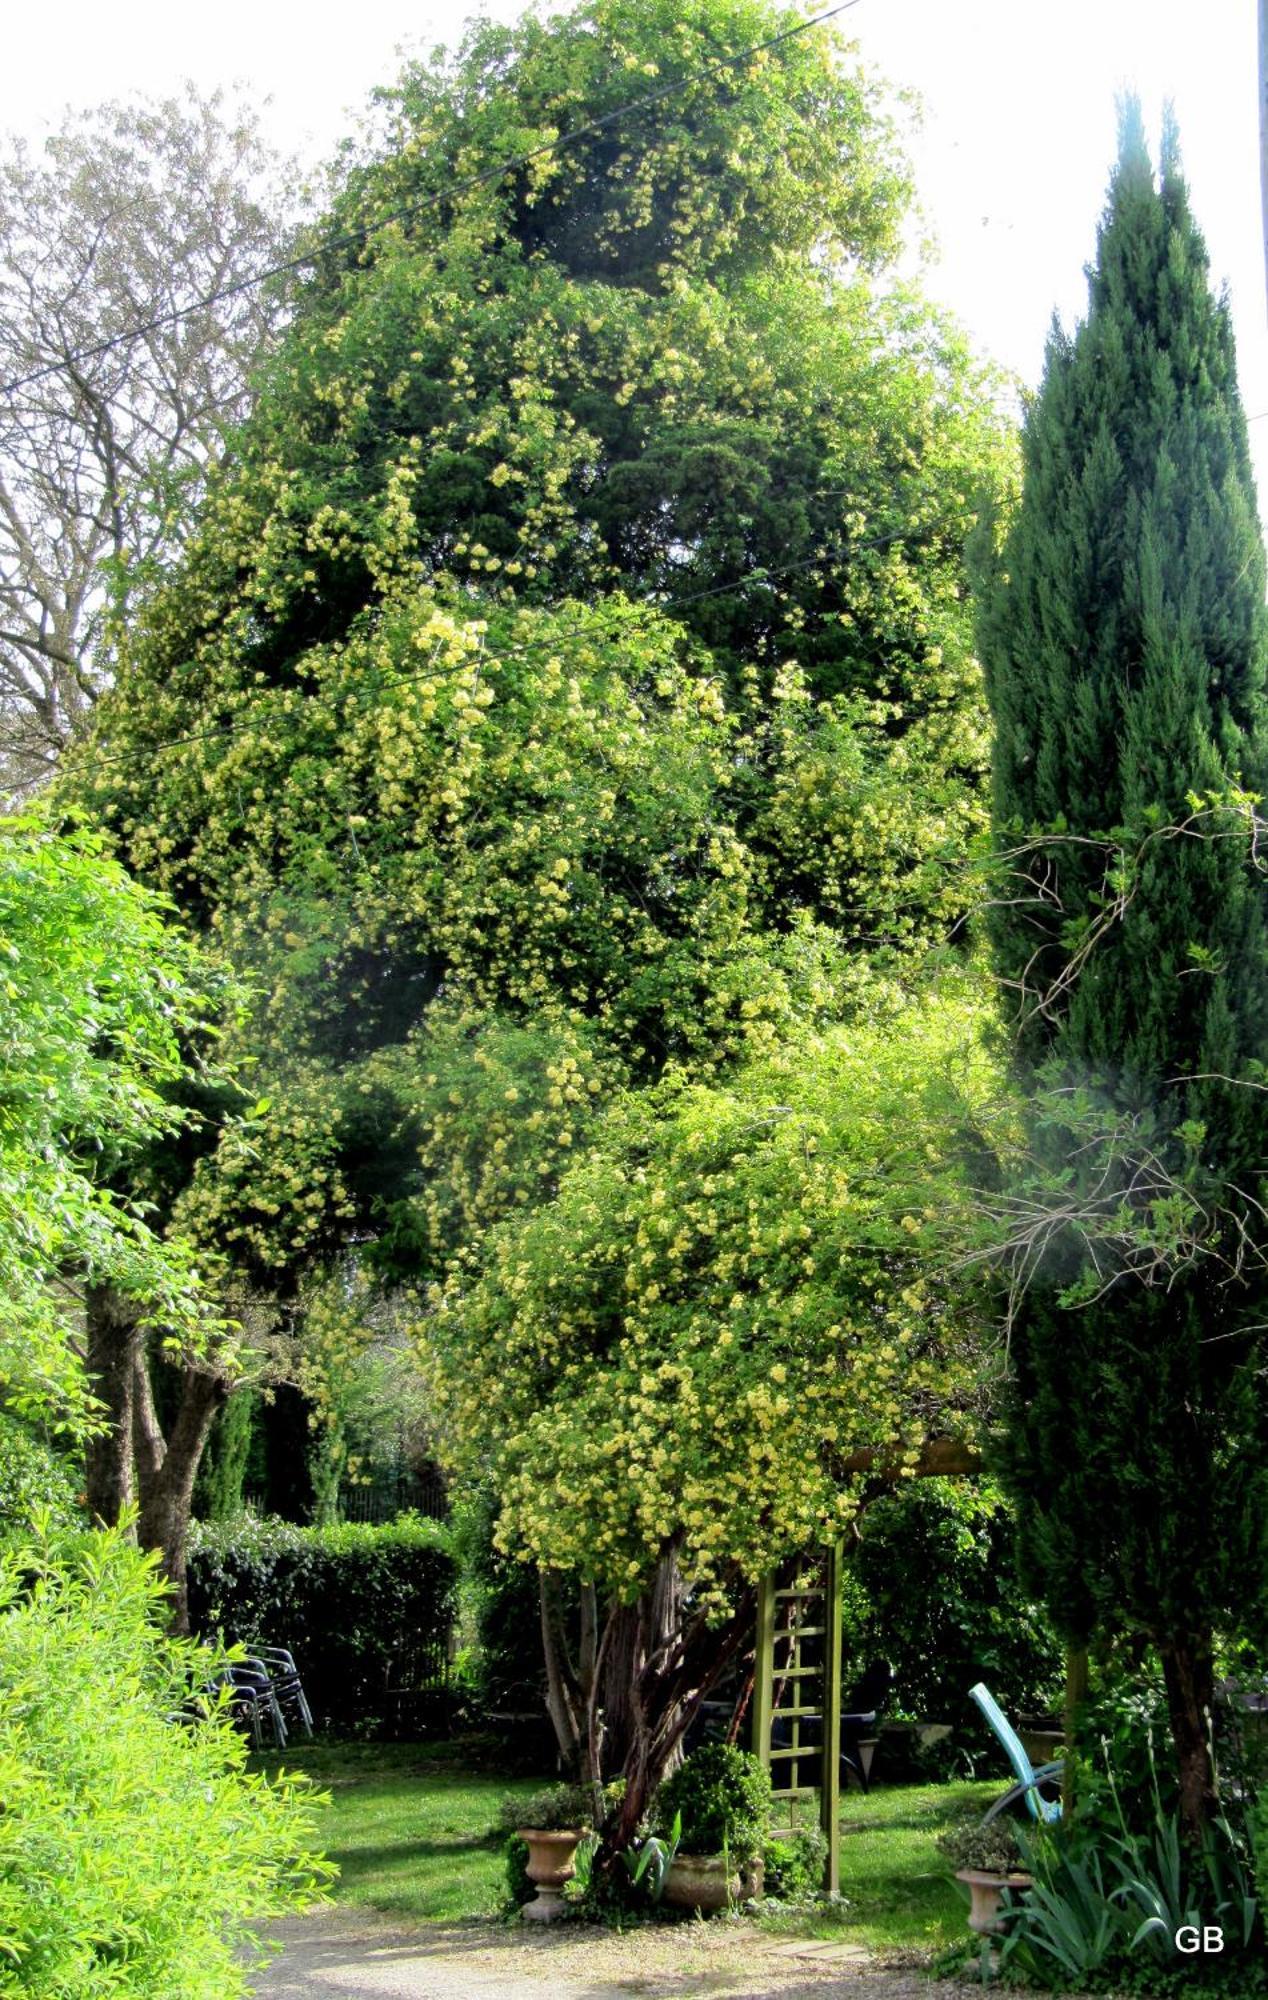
[341,1955]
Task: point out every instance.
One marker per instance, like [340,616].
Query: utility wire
[447,193]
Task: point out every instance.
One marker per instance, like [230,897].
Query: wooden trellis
[798,1655]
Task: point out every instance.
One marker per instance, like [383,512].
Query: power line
[380,683]
[447,193]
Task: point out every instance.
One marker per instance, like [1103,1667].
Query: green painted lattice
[797,1683]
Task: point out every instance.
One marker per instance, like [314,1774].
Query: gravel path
[343,1955]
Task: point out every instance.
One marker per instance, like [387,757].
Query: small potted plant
[552,1824]
[720,1798]
[987,1859]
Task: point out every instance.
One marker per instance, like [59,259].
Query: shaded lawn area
[414,1835]
[412,1832]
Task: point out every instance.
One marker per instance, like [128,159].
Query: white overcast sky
[1012,162]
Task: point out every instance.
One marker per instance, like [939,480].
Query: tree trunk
[167,1468]
[677,1675]
[114,1340]
[563,1692]
[1076,1692]
[614,1694]
[1189,1673]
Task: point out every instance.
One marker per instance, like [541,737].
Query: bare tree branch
[127,213]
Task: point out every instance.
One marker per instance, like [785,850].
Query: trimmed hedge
[367,1611]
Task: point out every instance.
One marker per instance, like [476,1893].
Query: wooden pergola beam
[941,1458]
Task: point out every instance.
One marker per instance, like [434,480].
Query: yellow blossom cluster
[723,1306]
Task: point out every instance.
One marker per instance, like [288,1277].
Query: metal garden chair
[288,1688]
[1029,1779]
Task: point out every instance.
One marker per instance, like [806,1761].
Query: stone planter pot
[986,1891]
[700,1882]
[552,1861]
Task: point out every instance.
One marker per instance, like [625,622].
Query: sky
[1011,161]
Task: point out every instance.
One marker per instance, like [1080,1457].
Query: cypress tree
[1123,638]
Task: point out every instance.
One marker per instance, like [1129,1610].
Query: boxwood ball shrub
[137,1854]
[366,1610]
[724,1797]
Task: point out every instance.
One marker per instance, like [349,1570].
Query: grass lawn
[899,1892]
[413,1834]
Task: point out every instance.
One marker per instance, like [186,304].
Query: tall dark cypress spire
[1125,647]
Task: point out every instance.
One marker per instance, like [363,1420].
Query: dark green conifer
[1124,644]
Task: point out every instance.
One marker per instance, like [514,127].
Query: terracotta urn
[986,1891]
[552,1861]
[700,1882]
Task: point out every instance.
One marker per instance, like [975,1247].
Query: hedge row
[366,1610]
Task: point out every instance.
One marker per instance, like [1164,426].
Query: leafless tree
[130,215]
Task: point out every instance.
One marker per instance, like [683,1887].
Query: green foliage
[938,1597]
[567,691]
[990,1845]
[1104,1912]
[137,1855]
[649,1863]
[482,819]
[365,1610]
[100,1001]
[1259,1843]
[501,1610]
[793,1865]
[222,1471]
[1120,1735]
[34,1479]
[556,1808]
[739,1288]
[520,1888]
[1125,644]
[1117,1879]
[721,1799]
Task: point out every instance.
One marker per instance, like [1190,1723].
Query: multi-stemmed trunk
[623,1703]
[132,1461]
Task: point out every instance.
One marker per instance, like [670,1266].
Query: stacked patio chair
[288,1688]
[253,1700]
[264,1688]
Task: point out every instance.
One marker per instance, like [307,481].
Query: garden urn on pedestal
[988,1859]
[986,1892]
[552,1861]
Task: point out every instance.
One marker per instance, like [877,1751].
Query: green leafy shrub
[501,1610]
[1115,1882]
[724,1798]
[519,1888]
[938,1596]
[137,1855]
[1119,1733]
[794,1864]
[366,1610]
[553,1809]
[989,1845]
[33,1478]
